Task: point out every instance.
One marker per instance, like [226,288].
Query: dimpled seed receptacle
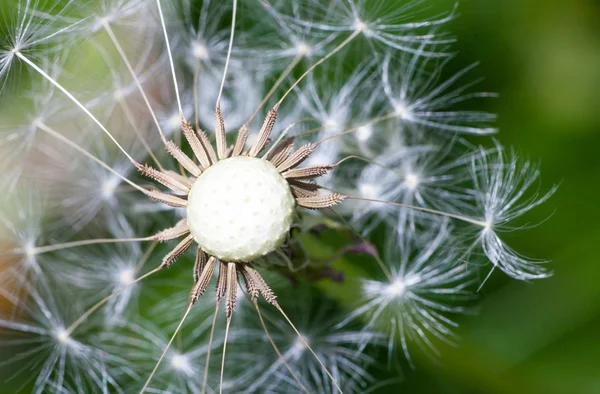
[240,209]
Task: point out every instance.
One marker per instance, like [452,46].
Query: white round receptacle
[240,209]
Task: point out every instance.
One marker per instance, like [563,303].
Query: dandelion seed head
[386,111]
[251,214]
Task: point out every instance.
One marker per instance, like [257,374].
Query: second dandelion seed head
[240,209]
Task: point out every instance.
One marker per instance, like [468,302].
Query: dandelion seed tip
[174,122]
[368,190]
[401,111]
[199,50]
[300,343]
[330,125]
[126,276]
[108,188]
[118,95]
[29,251]
[360,26]
[364,132]
[396,288]
[62,335]
[179,362]
[487,225]
[260,203]
[411,181]
[302,48]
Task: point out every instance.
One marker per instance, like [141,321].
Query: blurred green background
[543,57]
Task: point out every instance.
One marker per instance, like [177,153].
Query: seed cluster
[248,216]
[239,207]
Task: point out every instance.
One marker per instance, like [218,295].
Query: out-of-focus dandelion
[338,349]
[58,359]
[21,228]
[416,95]
[412,302]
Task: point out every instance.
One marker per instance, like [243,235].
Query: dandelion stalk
[356,32]
[333,380]
[228,58]
[162,356]
[75,146]
[423,209]
[73,244]
[170,54]
[77,102]
[281,358]
[210,342]
[133,74]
